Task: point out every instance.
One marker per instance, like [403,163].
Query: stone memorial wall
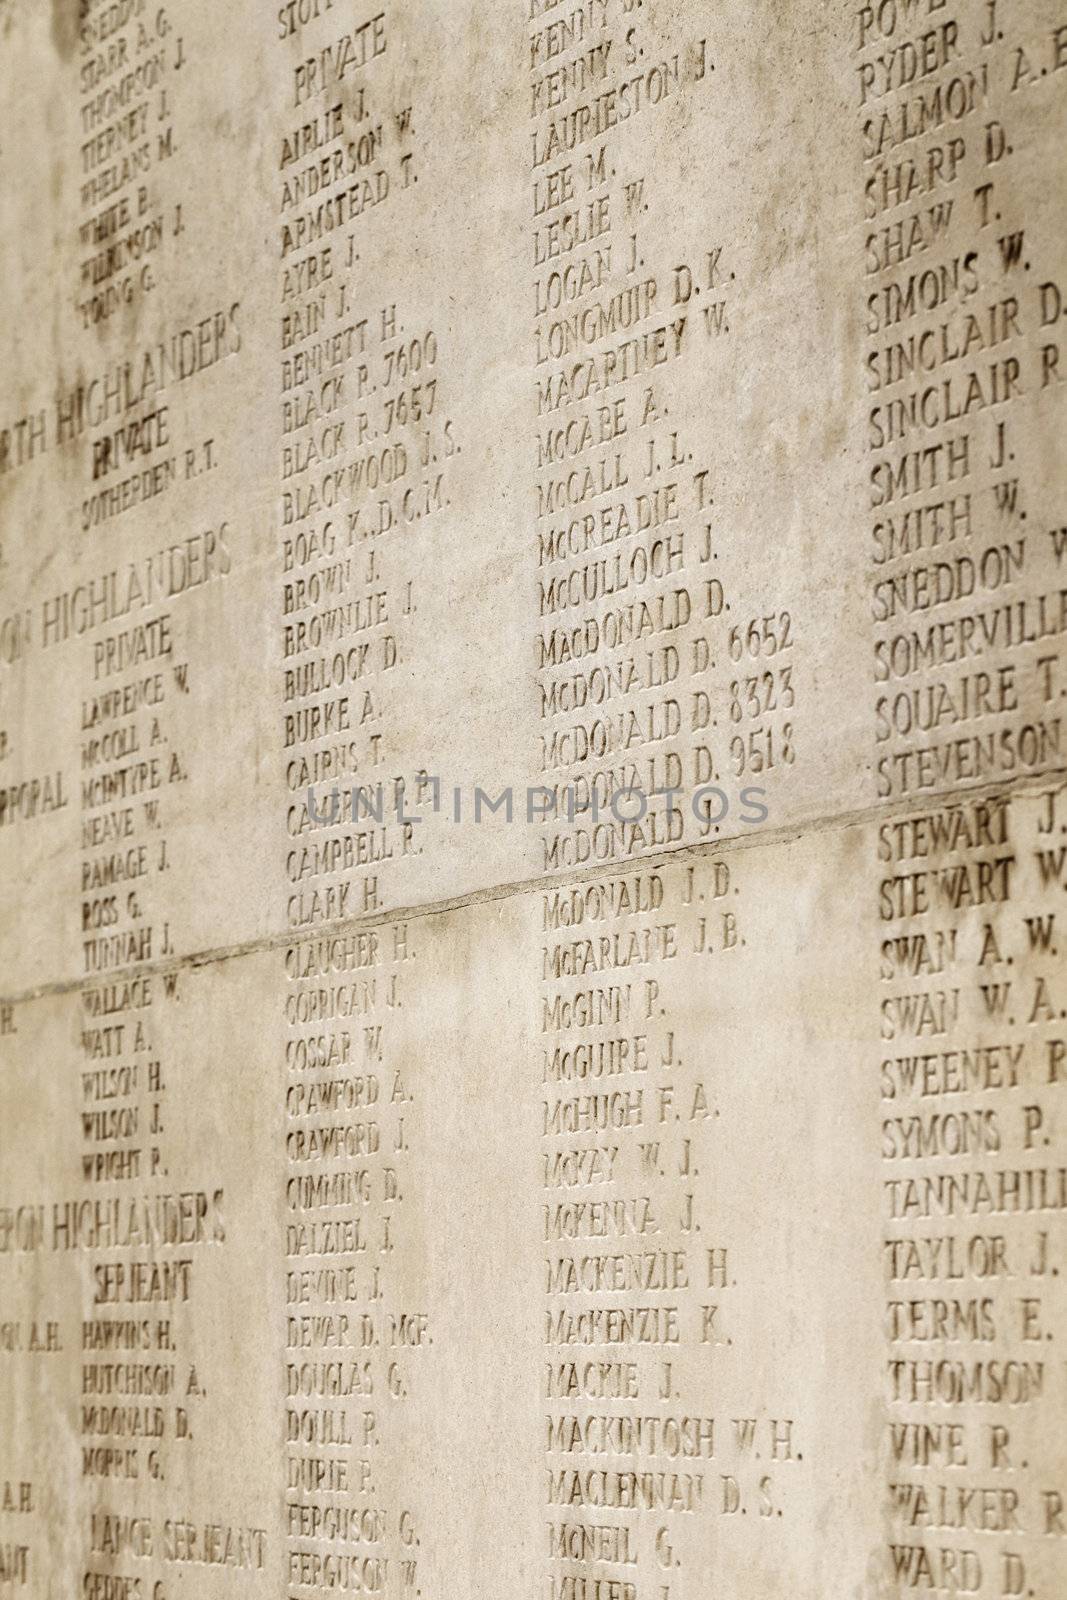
[533,831]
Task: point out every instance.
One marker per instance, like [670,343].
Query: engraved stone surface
[533,831]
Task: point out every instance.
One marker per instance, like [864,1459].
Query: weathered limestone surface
[651,1185]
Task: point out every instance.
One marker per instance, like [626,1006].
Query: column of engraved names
[129,57]
[647,1297]
[358,413]
[615,1268]
[658,676]
[126,56]
[612,604]
[649,732]
[961,368]
[144,1223]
